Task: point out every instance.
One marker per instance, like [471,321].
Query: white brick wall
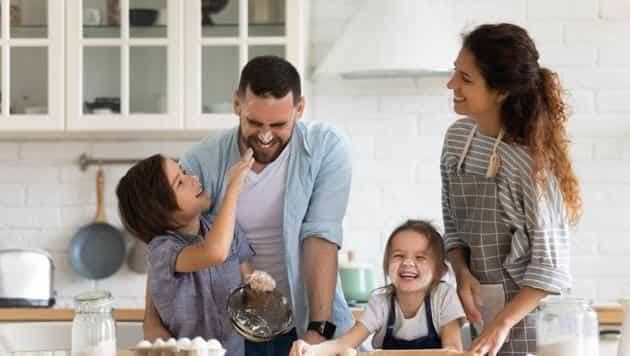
[396,127]
[615,9]
[45,198]
[562,9]
[587,42]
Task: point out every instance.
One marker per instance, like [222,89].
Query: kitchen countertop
[607,314]
[47,314]
[372,353]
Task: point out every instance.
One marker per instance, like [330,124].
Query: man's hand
[260,281]
[312,337]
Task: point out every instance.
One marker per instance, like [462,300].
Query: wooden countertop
[47,314]
[373,353]
[607,314]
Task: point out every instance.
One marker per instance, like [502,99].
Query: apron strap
[429,315]
[391,319]
[495,160]
[471,135]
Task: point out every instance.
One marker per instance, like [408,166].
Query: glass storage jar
[93,327]
[566,326]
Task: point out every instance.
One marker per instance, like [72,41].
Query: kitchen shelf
[29,32]
[159,31]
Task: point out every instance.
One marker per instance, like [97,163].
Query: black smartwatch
[324,328]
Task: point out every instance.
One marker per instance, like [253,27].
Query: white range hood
[395,38]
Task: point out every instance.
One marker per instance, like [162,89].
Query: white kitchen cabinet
[55,338]
[91,65]
[32,65]
[215,53]
[124,74]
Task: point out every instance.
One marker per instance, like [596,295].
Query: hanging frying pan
[98,249]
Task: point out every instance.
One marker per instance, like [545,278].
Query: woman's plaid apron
[479,218]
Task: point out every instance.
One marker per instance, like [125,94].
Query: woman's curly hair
[533,113]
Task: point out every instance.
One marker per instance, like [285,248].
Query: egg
[144,344]
[214,344]
[158,342]
[171,342]
[199,343]
[184,343]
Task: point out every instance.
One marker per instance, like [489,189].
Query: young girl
[193,265]
[415,311]
[509,193]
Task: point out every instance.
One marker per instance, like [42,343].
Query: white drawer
[16,338]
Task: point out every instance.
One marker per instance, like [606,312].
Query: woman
[509,193]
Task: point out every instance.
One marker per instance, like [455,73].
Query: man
[293,203]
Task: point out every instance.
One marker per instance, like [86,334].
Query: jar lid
[557,302]
[349,261]
[95,298]
[563,299]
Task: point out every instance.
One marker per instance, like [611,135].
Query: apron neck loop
[471,135]
[495,160]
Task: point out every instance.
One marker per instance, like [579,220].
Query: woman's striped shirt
[539,250]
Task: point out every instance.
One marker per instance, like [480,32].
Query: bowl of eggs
[180,347]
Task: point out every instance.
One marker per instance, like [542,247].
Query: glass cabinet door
[221,36]
[127,64]
[31,65]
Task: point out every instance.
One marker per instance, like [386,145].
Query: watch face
[324,328]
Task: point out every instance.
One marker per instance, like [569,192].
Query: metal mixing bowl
[259,316]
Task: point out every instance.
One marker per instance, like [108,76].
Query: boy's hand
[238,172]
[261,281]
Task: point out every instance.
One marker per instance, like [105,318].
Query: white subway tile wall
[396,127]
[585,41]
[45,198]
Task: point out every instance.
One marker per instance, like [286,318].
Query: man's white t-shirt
[259,215]
[445,307]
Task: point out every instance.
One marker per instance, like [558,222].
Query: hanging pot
[98,249]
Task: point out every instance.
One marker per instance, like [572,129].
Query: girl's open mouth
[408,275]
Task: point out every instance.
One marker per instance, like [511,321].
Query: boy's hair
[270,76]
[436,246]
[146,201]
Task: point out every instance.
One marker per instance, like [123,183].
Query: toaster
[26,278]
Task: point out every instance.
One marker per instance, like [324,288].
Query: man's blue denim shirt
[316,197]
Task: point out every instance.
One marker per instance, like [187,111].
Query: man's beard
[261,155]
